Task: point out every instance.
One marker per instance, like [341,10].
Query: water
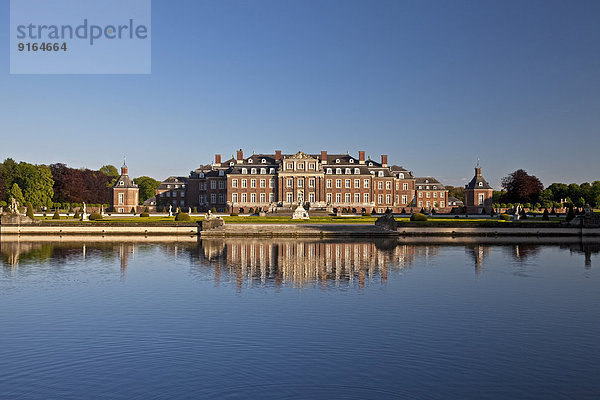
[242,319]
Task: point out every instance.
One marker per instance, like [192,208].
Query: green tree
[110,170]
[16,193]
[147,187]
[36,183]
[29,210]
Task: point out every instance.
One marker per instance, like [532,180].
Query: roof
[125,181]
[429,181]
[478,182]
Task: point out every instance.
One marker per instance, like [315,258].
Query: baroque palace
[277,182]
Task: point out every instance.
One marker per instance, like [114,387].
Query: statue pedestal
[300,213]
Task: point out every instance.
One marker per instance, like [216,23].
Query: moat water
[239,319]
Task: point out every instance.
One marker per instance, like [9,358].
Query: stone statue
[84,208]
[170,210]
[14,206]
[190,210]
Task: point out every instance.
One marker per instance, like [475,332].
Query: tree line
[59,186]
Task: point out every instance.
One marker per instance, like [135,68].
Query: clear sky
[434,84]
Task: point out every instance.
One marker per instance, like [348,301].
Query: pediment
[302,156]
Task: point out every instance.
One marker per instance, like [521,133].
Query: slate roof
[428,181]
[474,184]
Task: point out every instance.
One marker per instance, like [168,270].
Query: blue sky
[433,84]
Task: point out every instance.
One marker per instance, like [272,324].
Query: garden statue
[84,214]
[170,210]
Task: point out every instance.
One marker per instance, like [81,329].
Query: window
[329,197]
[428,204]
[252,183]
[244,197]
[202,199]
[271,197]
[271,170]
[221,198]
[300,182]
[213,184]
[252,197]
[348,183]
[231,163]
[420,195]
[121,198]
[370,164]
[329,171]
[435,195]
[380,174]
[366,198]
[250,161]
[290,182]
[420,204]
[221,173]
[263,198]
[337,160]
[290,166]
[301,165]
[182,194]
[311,166]
[221,185]
[435,204]
[380,185]
[263,183]
[329,183]
[263,161]
[388,199]
[357,183]
[357,197]
[271,183]
[213,198]
[253,171]
[480,183]
[405,186]
[338,183]
[168,186]
[348,171]
[244,170]
[404,199]
[347,197]
[263,171]
[401,175]
[201,175]
[352,161]
[427,194]
[234,183]
[366,183]
[244,183]
[311,197]
[338,197]
[481,199]
[290,197]
[338,171]
[380,198]
[357,171]
[311,183]
[441,195]
[441,204]
[420,187]
[388,185]
[234,197]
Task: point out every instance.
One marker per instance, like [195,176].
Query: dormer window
[480,183]
[250,161]
[357,170]
[348,171]
[221,172]
[244,170]
[352,161]
[263,161]
[435,187]
[271,170]
[401,175]
[121,183]
[329,171]
[380,174]
[427,181]
[337,160]
[253,171]
[370,164]
[420,187]
[263,171]
[168,186]
[201,175]
[338,170]
[231,163]
[427,187]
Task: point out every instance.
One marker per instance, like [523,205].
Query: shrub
[492,213]
[147,209]
[182,217]
[144,215]
[95,216]
[214,210]
[29,210]
[366,214]
[233,214]
[77,216]
[133,210]
[570,214]
[403,211]
[418,217]
[195,210]
[250,211]
[3,203]
[505,217]
[422,211]
[546,216]
[56,215]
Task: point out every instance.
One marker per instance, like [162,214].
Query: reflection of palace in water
[299,262]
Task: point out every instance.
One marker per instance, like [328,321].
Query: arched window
[380,174]
[338,170]
[221,172]
[263,171]
[401,175]
[253,171]
[329,171]
[244,170]
[348,171]
[271,170]
[201,175]
[357,170]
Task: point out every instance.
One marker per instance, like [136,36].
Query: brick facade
[478,194]
[125,193]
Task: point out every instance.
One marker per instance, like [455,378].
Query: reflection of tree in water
[523,251]
[300,262]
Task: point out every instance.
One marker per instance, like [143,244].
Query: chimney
[277,155]
[218,160]
[384,160]
[323,157]
[240,156]
[361,157]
